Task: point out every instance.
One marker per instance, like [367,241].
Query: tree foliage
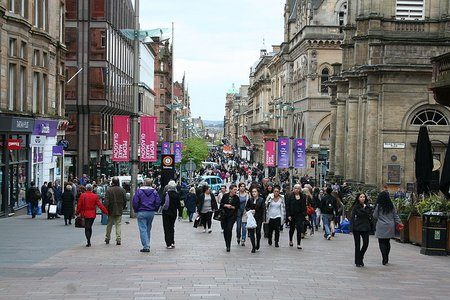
[197,149]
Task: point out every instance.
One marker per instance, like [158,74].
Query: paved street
[43,259]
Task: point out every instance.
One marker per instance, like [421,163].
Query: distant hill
[212,123]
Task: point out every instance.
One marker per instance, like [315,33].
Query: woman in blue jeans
[146,203]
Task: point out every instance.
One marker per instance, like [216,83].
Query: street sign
[190,166]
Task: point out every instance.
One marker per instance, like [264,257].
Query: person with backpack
[170,205]
[33,196]
[328,208]
[360,222]
[146,203]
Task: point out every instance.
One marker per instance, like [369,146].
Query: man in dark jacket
[33,195]
[146,203]
[170,205]
[328,208]
[115,202]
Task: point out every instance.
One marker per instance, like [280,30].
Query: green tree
[197,149]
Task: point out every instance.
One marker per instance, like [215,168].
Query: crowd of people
[250,204]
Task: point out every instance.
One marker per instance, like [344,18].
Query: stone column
[352,139]
[332,158]
[371,140]
[340,138]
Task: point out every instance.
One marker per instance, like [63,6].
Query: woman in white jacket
[275,213]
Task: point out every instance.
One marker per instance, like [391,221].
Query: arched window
[430,117]
[323,78]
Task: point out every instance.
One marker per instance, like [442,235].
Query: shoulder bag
[79,220]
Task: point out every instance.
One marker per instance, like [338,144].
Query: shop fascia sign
[13,144]
[394,145]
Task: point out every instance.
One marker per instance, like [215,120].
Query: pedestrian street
[43,259]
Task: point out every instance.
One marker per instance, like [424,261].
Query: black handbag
[197,221]
[79,222]
[218,215]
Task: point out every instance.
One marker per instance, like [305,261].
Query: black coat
[174,203]
[259,208]
[361,219]
[328,205]
[191,202]
[67,203]
[229,213]
[297,208]
[201,201]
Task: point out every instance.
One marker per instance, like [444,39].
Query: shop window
[71,43]
[97,83]
[430,117]
[98,49]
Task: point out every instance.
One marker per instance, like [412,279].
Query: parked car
[214,182]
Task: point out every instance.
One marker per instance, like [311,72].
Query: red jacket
[87,204]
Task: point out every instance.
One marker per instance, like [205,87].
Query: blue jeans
[326,219]
[144,220]
[241,227]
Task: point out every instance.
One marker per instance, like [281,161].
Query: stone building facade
[32,76]
[380,94]
[313,36]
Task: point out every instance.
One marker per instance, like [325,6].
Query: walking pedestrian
[276,211]
[387,218]
[206,206]
[241,222]
[256,205]
[360,223]
[297,214]
[44,196]
[230,206]
[170,204]
[33,195]
[67,204]
[328,209]
[115,202]
[191,203]
[146,203]
[51,200]
[86,207]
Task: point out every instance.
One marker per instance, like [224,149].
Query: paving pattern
[43,259]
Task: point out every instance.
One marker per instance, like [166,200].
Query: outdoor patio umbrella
[444,185]
[424,161]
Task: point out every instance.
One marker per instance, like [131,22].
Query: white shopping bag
[251,222]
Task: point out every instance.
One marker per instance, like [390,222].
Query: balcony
[441,79]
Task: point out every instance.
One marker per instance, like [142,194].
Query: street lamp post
[135,114]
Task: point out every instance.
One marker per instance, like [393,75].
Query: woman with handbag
[276,212]
[255,205]
[86,208]
[297,214]
[387,218]
[206,206]
[229,206]
[361,224]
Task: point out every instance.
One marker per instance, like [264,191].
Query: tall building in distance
[32,96]
[101,57]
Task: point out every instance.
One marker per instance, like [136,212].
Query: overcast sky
[216,43]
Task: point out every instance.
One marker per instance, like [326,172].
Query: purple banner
[165,148]
[45,127]
[299,153]
[283,153]
[177,151]
[58,151]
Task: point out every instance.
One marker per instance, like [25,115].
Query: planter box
[404,234]
[415,230]
[448,236]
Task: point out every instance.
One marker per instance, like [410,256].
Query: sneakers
[209,230]
[299,247]
[118,243]
[169,247]
[145,250]
[204,230]
[228,249]
[328,237]
[291,244]
[239,241]
[243,244]
[253,250]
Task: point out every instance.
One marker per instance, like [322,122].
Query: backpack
[37,194]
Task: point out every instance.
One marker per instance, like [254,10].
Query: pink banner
[121,138]
[269,160]
[148,139]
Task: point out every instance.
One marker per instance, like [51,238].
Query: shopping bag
[197,221]
[251,222]
[185,213]
[52,209]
